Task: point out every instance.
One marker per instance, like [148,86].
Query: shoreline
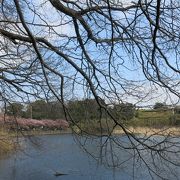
[147,131]
[48,132]
[8,146]
[38,132]
[150,131]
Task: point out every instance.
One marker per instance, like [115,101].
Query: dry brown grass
[6,142]
[173,131]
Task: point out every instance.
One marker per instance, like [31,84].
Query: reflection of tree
[90,49]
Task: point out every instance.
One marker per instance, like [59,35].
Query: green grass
[155,118]
[94,126]
[144,118]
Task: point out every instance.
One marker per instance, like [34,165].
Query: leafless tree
[113,51]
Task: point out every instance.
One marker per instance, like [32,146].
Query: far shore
[145,131]
[47,132]
[38,132]
[150,131]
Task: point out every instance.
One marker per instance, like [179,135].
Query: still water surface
[60,153]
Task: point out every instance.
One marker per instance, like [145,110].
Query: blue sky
[129,71]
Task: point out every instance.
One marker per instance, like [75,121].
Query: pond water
[45,155]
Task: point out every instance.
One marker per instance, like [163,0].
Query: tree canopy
[15,109]
[112,51]
[159,105]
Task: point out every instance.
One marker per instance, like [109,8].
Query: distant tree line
[86,113]
[80,110]
[163,106]
[38,109]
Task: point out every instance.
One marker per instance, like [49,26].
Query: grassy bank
[144,122]
[155,119]
[6,142]
[150,131]
[7,145]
